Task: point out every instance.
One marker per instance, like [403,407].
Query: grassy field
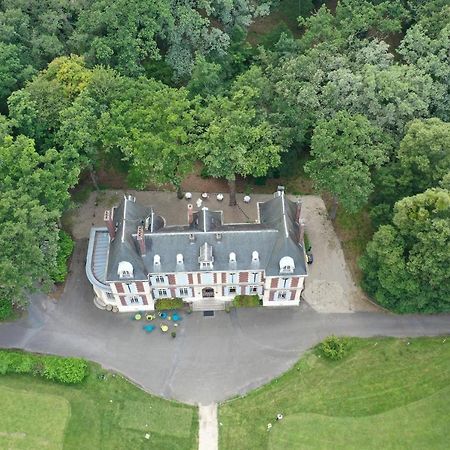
[108,413]
[387,393]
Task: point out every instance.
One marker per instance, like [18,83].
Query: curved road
[211,359]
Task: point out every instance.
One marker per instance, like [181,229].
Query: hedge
[55,368]
[168,303]
[246,301]
[65,249]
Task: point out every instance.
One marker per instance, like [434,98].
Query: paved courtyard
[211,359]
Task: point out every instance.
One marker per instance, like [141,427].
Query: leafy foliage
[344,151]
[55,368]
[65,249]
[334,348]
[163,304]
[407,263]
[246,301]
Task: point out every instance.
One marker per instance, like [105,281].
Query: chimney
[301,232]
[190,214]
[141,239]
[107,217]
[280,191]
[298,212]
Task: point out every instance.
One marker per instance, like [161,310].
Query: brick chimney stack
[190,214]
[298,212]
[141,240]
[301,232]
[107,217]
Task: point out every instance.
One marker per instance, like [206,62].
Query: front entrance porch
[208,292]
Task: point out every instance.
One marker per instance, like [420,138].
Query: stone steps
[208,305]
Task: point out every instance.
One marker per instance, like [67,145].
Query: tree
[36,109]
[429,54]
[345,149]
[407,264]
[152,125]
[28,239]
[13,71]
[45,177]
[422,159]
[236,137]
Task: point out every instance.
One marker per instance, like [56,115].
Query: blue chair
[163,315]
[176,317]
[148,328]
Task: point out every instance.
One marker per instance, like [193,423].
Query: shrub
[65,249]
[6,308]
[246,301]
[64,370]
[168,303]
[55,368]
[334,348]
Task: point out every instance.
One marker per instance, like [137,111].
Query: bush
[55,368]
[64,370]
[334,348]
[65,249]
[168,303]
[246,301]
[6,309]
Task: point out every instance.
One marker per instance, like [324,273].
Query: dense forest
[362,89]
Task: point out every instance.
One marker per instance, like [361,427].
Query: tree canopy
[345,149]
[407,263]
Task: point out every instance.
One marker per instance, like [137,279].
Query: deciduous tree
[345,149]
[407,264]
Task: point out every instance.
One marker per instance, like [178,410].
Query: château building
[137,258]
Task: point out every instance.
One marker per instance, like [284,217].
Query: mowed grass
[45,416]
[385,394]
[108,413]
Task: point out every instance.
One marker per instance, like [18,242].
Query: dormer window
[206,257]
[232,257]
[125,270]
[179,258]
[287,264]
[255,256]
[157,260]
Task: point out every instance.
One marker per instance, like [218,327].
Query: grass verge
[103,412]
[386,393]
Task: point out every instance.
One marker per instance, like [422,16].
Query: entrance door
[208,292]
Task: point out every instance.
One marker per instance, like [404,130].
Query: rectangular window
[253,289]
[184,292]
[134,300]
[282,295]
[232,290]
[207,278]
[162,292]
[159,279]
[231,278]
[110,295]
[255,277]
[181,279]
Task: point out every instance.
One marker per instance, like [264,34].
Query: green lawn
[45,416]
[97,414]
[385,394]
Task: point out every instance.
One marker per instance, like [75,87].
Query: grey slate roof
[274,237]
